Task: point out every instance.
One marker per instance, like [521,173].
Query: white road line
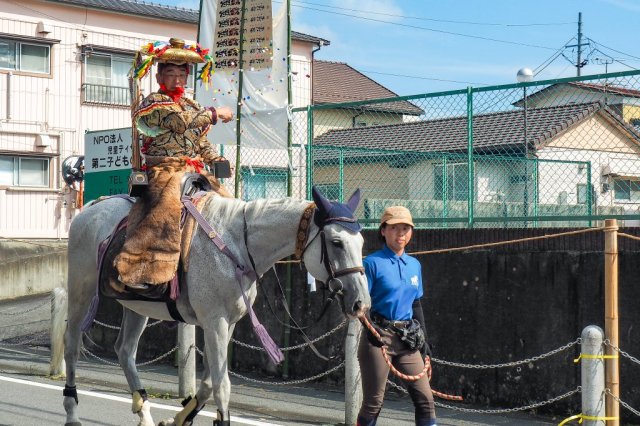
[128,400]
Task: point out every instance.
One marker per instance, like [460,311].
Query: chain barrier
[290,348]
[508,364]
[142,364]
[497,411]
[45,302]
[116,327]
[624,404]
[607,342]
[288,382]
[192,347]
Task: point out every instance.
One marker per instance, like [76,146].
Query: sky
[423,46]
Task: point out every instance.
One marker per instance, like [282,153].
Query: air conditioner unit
[43,28]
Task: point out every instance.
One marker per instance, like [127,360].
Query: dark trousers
[374,371]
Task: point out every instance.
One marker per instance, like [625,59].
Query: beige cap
[396,214]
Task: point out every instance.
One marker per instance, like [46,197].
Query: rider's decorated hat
[176,51]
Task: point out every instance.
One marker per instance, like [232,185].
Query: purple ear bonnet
[334,212]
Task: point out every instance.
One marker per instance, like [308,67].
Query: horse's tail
[59,302]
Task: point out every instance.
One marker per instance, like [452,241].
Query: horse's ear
[354,200]
[323,204]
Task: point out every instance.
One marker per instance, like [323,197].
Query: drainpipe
[9,76]
[320,44]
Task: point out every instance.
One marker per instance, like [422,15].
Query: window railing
[105,95]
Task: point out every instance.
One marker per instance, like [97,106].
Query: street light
[525,75]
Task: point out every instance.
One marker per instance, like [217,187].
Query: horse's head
[334,252]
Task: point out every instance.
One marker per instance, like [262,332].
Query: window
[106,79]
[263,183]
[27,57]
[457,178]
[24,171]
[626,190]
[581,193]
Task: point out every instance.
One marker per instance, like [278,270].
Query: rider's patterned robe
[175,143]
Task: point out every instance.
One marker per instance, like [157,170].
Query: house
[337,82]
[625,101]
[63,71]
[579,159]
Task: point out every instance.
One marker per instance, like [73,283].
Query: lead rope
[427,363]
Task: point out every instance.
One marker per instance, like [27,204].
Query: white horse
[212,299]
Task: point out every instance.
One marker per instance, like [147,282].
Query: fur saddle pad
[108,282]
[111,287]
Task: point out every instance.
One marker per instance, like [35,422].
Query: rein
[270,347]
[427,363]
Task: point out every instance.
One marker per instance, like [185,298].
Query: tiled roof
[132,7]
[337,82]
[550,91]
[500,132]
[608,88]
[158,11]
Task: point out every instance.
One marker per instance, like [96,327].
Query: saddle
[193,185]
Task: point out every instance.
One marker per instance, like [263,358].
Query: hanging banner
[258,35]
[264,100]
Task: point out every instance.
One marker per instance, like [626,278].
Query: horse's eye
[337,243]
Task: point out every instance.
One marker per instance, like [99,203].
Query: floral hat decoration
[175,52]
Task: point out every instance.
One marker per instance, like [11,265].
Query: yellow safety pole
[612,372]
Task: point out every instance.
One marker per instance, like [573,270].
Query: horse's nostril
[357,306]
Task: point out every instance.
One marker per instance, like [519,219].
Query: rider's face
[172,77]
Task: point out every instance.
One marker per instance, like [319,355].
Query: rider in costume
[175,129]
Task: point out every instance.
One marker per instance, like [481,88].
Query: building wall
[31,105]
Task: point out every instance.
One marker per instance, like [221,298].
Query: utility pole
[579,62]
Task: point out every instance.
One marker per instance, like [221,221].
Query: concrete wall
[32,267]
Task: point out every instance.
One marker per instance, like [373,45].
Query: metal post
[58,326]
[525,200]
[352,379]
[471,180]
[592,373]
[611,318]
[186,360]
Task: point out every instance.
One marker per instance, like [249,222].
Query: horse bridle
[333,283]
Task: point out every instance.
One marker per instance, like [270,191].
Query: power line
[552,58]
[422,78]
[435,20]
[429,29]
[614,50]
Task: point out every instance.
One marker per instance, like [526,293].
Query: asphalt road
[30,401]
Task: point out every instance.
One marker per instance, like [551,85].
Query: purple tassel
[270,347]
[87,322]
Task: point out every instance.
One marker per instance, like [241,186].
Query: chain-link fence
[551,153]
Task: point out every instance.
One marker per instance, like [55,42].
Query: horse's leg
[72,341]
[215,378]
[126,347]
[216,345]
[81,288]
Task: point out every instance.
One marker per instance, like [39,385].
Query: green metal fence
[550,153]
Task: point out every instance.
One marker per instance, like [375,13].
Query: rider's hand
[225,114]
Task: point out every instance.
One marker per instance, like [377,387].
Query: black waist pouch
[412,335]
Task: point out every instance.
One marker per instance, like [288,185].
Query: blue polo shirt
[394,283]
